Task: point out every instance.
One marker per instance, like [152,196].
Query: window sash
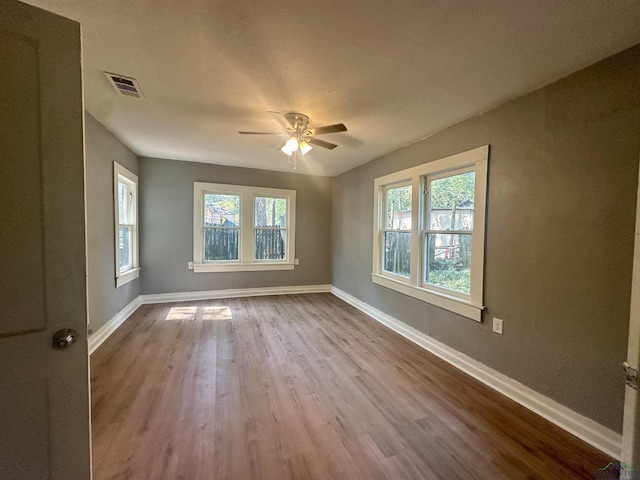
[384,260]
[271,245]
[425,260]
[270,197]
[226,194]
[428,179]
[449,232]
[127,241]
[387,188]
[231,240]
[123,203]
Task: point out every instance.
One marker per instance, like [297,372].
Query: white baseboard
[232,293]
[582,427]
[98,337]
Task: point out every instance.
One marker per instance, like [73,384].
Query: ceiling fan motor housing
[298,122]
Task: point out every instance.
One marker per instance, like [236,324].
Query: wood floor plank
[303,387]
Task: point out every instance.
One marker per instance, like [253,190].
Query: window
[238,228]
[397,231]
[221,227]
[429,231]
[448,230]
[125,193]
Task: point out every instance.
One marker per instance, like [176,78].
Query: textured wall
[166,235]
[563,173]
[101,149]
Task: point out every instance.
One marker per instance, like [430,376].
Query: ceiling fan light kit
[304,147]
[291,146]
[300,137]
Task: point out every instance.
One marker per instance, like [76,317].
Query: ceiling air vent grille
[125,85]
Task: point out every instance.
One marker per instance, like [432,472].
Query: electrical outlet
[497,325]
[296,261]
[190,265]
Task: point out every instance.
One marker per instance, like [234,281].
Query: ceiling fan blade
[321,143]
[338,127]
[259,133]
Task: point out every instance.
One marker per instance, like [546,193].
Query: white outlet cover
[498,325]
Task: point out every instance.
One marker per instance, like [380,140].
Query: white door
[631,424]
[44,392]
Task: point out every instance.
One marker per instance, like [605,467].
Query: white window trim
[469,306]
[246,262]
[125,277]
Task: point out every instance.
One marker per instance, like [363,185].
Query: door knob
[63,338]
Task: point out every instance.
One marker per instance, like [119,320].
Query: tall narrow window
[397,231]
[271,228]
[449,231]
[125,225]
[125,186]
[221,227]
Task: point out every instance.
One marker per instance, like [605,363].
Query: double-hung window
[429,231]
[241,228]
[447,234]
[397,230]
[221,227]
[125,193]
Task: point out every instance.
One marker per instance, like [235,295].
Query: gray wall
[563,172]
[102,149]
[166,230]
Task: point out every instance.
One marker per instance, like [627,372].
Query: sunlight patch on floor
[191,313]
[182,313]
[216,313]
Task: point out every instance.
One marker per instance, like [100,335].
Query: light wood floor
[307,387]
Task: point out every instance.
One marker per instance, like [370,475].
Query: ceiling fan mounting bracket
[298,122]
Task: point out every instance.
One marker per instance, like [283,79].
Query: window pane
[271,212]
[270,244]
[123,204]
[125,248]
[397,254]
[221,243]
[448,261]
[451,201]
[398,208]
[221,210]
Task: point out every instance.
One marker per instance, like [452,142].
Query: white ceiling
[393,71]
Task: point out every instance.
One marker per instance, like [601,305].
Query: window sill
[240,267]
[453,304]
[127,277]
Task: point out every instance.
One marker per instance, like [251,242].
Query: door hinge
[632,375]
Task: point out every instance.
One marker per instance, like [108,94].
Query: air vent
[124,85]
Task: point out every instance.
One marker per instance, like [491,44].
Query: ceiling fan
[300,136]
